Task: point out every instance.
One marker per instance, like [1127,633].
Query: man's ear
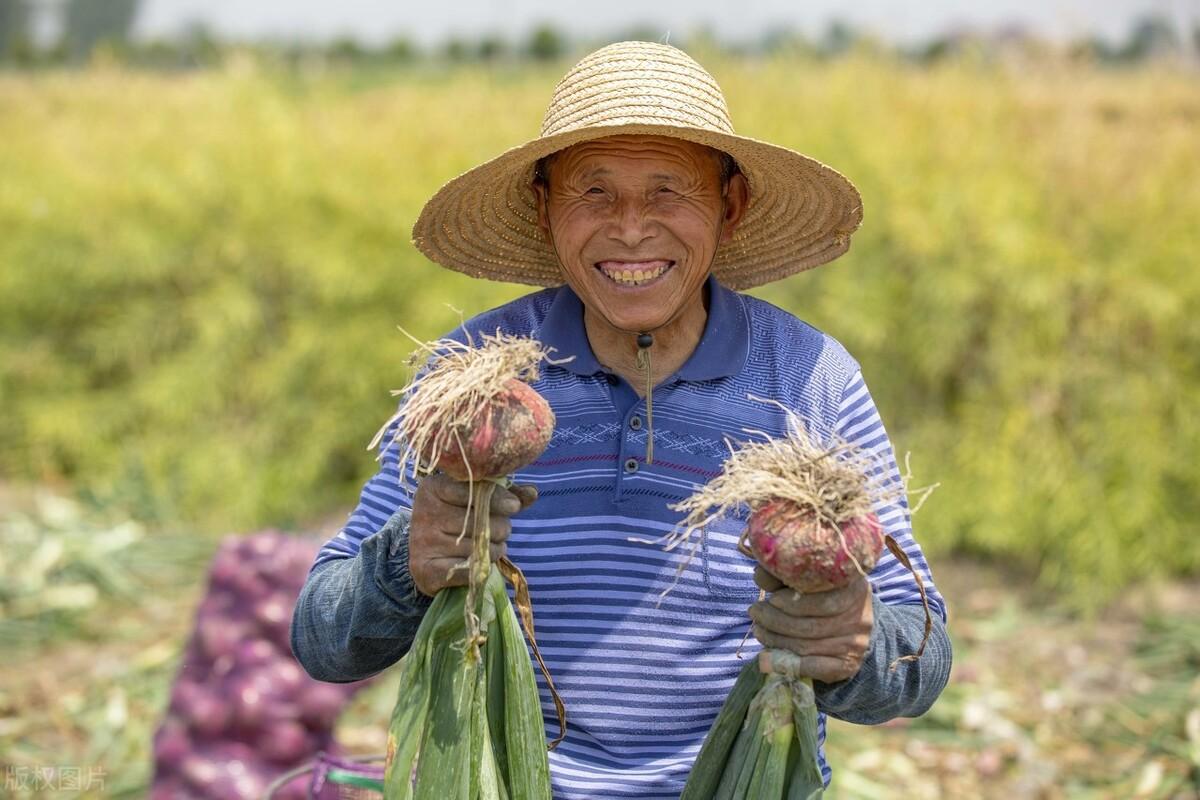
[541,195]
[737,197]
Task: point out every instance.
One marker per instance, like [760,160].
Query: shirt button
[631,465]
[636,423]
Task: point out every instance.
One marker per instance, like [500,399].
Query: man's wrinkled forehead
[599,155]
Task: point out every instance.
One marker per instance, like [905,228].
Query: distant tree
[936,49]
[89,22]
[1092,49]
[346,49]
[199,46]
[455,49]
[1150,36]
[14,16]
[545,43]
[14,27]
[399,49]
[838,39]
[643,33]
[785,41]
[160,54]
[491,47]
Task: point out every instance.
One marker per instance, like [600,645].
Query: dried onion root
[812,524]
[468,715]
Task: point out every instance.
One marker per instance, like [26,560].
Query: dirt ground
[1041,703]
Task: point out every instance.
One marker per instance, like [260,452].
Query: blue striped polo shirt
[643,673]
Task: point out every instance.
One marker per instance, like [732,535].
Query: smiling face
[636,221]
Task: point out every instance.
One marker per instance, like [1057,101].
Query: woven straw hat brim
[801,213]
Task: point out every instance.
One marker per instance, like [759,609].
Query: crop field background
[202,275]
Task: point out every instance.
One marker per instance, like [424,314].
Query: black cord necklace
[644,342]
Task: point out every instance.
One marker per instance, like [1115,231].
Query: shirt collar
[722,350]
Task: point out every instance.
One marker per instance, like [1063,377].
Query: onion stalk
[812,525]
[468,723]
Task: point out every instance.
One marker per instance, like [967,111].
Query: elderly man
[639,207]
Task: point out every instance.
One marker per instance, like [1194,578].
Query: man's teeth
[635,277]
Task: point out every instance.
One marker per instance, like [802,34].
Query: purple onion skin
[267,694]
[242,709]
[181,695]
[293,791]
[809,555]
[222,667]
[235,753]
[225,771]
[251,587]
[275,609]
[274,617]
[226,567]
[199,771]
[282,678]
[288,568]
[171,789]
[263,545]
[194,669]
[255,653]
[232,787]
[203,712]
[286,743]
[320,705]
[281,638]
[219,636]
[509,432]
[171,745]
[250,705]
[242,772]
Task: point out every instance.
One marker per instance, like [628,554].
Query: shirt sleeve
[358,615]
[359,609]
[884,686]
[860,426]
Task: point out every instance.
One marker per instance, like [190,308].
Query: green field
[96,612]
[201,277]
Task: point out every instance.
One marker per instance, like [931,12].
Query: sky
[431,22]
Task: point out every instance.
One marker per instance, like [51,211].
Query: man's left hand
[830,631]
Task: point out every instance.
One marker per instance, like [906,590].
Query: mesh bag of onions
[812,526]
[468,723]
[242,710]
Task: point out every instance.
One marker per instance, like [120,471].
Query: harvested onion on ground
[242,712]
[468,721]
[813,527]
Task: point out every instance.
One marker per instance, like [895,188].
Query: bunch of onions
[468,722]
[813,527]
[242,710]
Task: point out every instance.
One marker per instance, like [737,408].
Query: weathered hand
[830,631]
[437,550]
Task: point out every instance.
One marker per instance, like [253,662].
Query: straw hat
[484,222]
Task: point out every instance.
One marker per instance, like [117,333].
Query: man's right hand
[437,549]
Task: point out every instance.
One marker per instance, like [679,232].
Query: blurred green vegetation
[201,277]
[94,611]
[1040,703]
